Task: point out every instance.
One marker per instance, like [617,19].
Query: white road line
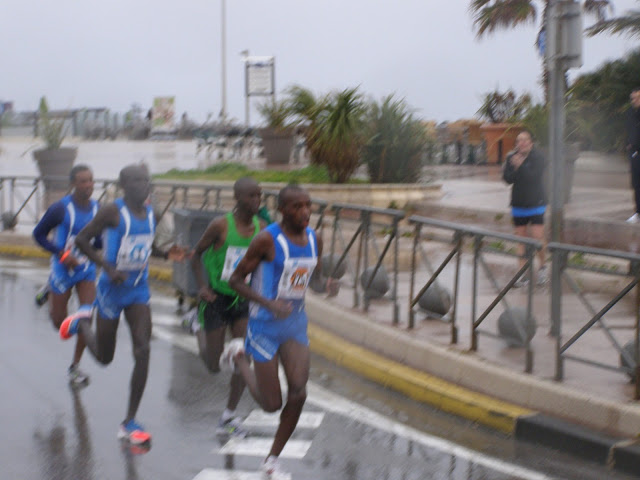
[332,402]
[258,418]
[211,474]
[260,447]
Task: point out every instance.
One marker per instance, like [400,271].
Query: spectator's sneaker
[232,427]
[42,296]
[69,326]
[521,283]
[231,349]
[635,218]
[543,276]
[134,433]
[77,378]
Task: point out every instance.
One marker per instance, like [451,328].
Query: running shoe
[42,296]
[69,326]
[190,321]
[134,433]
[271,469]
[77,378]
[232,427]
[231,349]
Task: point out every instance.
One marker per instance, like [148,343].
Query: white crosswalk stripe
[211,474]
[260,419]
[260,447]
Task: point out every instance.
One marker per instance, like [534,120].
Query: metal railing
[365,228]
[479,238]
[630,361]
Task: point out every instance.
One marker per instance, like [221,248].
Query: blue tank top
[287,276]
[128,246]
[64,235]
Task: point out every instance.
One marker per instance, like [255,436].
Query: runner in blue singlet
[129,227]
[281,259]
[69,267]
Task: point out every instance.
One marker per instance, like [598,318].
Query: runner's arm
[53,217]
[261,248]
[210,237]
[107,216]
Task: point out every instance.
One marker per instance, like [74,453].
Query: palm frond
[489,16]
[628,25]
[599,8]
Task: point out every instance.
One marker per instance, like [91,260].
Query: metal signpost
[259,79]
[563,48]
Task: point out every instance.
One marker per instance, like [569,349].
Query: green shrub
[395,142]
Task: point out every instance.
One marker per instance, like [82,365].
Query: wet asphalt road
[352,430]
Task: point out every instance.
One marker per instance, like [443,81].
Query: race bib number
[296,275]
[231,260]
[134,252]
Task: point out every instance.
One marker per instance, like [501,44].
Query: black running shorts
[224,310]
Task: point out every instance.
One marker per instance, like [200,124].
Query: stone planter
[277,145]
[54,166]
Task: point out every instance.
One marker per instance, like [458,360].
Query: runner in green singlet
[220,248]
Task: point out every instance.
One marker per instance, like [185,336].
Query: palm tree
[627,24]
[492,15]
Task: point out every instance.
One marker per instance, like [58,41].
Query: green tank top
[221,263]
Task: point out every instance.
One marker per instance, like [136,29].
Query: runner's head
[248,194]
[294,204]
[81,180]
[135,181]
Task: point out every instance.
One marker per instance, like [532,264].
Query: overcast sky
[114,53]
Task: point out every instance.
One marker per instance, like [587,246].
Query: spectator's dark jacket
[528,181]
[633,129]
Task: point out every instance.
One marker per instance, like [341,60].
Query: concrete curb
[524,423]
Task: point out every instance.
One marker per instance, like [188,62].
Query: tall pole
[556,142]
[245,57]
[223,56]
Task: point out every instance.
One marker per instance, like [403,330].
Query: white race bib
[231,260]
[295,277]
[134,252]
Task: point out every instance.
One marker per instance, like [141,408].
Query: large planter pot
[54,166]
[277,145]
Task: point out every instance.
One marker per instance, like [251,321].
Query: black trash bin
[189,225]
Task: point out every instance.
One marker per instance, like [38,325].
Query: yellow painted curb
[162,274]
[30,251]
[418,385]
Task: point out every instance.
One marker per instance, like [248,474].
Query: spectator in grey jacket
[524,170]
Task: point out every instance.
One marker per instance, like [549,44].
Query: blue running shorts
[112,299]
[264,337]
[61,281]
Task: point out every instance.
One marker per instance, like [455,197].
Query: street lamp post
[564,51]
[245,59]
[223,57]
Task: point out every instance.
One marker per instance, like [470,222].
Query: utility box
[563,35]
[189,225]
